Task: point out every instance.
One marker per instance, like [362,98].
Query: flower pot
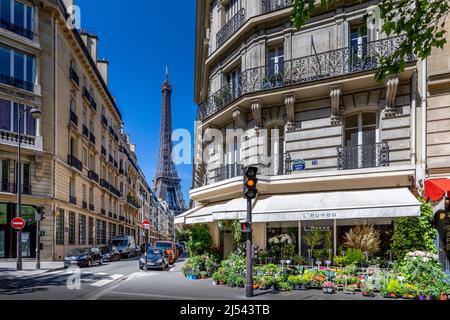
[194,277]
[214,283]
[429,298]
[421,297]
[444,296]
[408,297]
[255,287]
[303,287]
[328,290]
[221,283]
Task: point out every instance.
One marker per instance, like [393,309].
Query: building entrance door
[26,244]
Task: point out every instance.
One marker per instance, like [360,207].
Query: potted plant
[215,278]
[368,288]
[328,287]
[409,291]
[240,282]
[284,286]
[392,288]
[202,274]
[349,289]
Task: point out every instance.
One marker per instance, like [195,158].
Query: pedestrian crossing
[98,279]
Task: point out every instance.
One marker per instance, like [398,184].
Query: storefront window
[71,227]
[317,240]
[91,231]
[82,229]
[282,240]
[3,223]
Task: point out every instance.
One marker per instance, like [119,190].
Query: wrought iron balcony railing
[227,171]
[73,200]
[92,138]
[272,5]
[18,83]
[84,204]
[104,183]
[93,175]
[363,156]
[104,121]
[91,207]
[103,151]
[85,131]
[230,27]
[73,118]
[5,24]
[74,162]
[8,187]
[325,65]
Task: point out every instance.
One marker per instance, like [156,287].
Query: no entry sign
[18,223]
[146,224]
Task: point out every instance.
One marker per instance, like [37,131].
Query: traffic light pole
[38,241]
[249,282]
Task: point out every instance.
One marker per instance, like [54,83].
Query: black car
[83,257]
[156,259]
[110,253]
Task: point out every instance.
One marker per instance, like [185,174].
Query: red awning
[435,189]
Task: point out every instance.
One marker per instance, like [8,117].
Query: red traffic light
[246,227]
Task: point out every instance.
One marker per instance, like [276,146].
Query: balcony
[12,188]
[73,200]
[104,183]
[121,218]
[84,204]
[230,27]
[93,104]
[325,65]
[363,156]
[103,151]
[225,172]
[114,191]
[18,83]
[74,77]
[110,214]
[93,175]
[273,5]
[87,95]
[92,138]
[73,118]
[85,131]
[74,162]
[5,24]
[104,121]
[111,159]
[91,207]
[12,139]
[133,202]
[102,212]
[115,216]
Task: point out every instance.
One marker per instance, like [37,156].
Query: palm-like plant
[364,237]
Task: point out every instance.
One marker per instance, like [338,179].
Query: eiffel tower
[167,183]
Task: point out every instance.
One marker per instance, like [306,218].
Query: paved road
[123,280]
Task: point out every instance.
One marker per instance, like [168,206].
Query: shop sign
[319,215]
[298,165]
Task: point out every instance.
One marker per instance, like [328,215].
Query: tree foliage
[421,21]
[414,233]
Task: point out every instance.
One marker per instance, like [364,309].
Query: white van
[125,245]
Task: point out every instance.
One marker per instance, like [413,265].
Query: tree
[182,234]
[414,233]
[421,21]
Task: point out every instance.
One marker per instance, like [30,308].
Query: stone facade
[83,168]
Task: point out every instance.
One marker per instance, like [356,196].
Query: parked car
[83,257]
[125,245]
[169,247]
[156,259]
[110,253]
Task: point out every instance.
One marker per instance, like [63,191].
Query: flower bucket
[421,297]
[444,296]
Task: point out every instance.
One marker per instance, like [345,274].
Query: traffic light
[246,227]
[250,182]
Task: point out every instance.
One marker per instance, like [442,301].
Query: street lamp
[36,114]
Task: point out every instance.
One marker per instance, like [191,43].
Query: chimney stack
[102,66]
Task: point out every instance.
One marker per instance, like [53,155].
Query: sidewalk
[8,268]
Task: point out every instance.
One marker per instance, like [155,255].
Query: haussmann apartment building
[78,166]
[339,149]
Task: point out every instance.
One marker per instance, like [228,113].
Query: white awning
[232,210]
[380,203]
[180,218]
[204,214]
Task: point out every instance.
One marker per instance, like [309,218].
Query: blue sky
[139,38]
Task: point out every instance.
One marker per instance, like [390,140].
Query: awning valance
[180,218]
[435,189]
[362,204]
[379,203]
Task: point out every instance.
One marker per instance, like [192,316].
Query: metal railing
[92,138]
[74,162]
[85,131]
[104,121]
[5,24]
[325,65]
[74,76]
[273,5]
[8,187]
[104,183]
[103,151]
[91,207]
[73,200]
[18,83]
[84,204]
[363,156]
[93,175]
[230,27]
[73,118]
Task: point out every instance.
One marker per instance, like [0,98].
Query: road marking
[103,282]
[102,274]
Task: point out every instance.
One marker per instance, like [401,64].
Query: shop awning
[205,213]
[180,218]
[235,209]
[435,189]
[378,203]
